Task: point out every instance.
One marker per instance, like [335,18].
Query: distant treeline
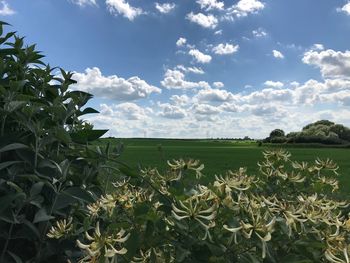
[321,132]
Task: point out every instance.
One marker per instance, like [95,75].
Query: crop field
[219,156]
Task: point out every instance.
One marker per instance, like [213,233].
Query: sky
[197,68]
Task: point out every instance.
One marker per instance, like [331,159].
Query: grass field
[219,156]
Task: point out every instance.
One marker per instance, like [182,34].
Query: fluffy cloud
[205,109]
[214,95]
[199,56]
[259,32]
[113,87]
[175,79]
[171,111]
[277,54]
[244,8]
[126,110]
[5,9]
[165,8]
[84,2]
[181,41]
[211,4]
[218,84]
[345,9]
[333,64]
[317,47]
[180,100]
[195,70]
[273,84]
[123,8]
[225,49]
[207,21]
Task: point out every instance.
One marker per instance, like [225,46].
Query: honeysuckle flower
[258,226]
[197,210]
[326,164]
[61,228]
[234,181]
[102,245]
[190,165]
[302,166]
[278,155]
[94,208]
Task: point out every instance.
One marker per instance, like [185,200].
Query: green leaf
[14,105]
[87,111]
[79,194]
[41,216]
[7,200]
[36,188]
[85,136]
[4,165]
[13,146]
[16,258]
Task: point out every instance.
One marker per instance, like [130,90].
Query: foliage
[284,214]
[323,131]
[46,170]
[277,133]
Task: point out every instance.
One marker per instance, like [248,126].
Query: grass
[221,155]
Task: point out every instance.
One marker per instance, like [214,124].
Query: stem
[7,243]
[3,125]
[47,222]
[36,151]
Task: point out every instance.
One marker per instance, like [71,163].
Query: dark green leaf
[41,216]
[85,136]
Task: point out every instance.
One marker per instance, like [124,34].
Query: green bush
[46,170]
[283,214]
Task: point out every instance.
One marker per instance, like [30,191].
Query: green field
[219,156]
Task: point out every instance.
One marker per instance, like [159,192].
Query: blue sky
[197,68]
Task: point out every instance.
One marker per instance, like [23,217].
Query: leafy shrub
[46,170]
[277,133]
[284,214]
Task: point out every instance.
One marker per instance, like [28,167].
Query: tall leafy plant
[47,172]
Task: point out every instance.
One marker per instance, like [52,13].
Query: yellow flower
[61,229]
[103,245]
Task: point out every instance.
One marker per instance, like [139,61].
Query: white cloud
[113,87]
[214,95]
[181,41]
[171,111]
[84,2]
[195,70]
[218,32]
[199,56]
[273,84]
[123,8]
[5,9]
[175,79]
[244,8]
[333,64]
[225,49]
[218,84]
[317,47]
[205,109]
[277,54]
[126,110]
[211,4]
[131,111]
[259,32]
[345,9]
[165,8]
[207,21]
[180,100]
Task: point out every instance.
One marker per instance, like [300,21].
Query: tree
[277,133]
